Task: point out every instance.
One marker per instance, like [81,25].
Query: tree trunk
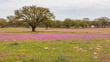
[33,29]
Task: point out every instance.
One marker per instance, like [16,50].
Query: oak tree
[33,15]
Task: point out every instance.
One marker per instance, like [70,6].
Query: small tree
[12,21]
[48,23]
[102,22]
[33,15]
[67,23]
[58,24]
[3,22]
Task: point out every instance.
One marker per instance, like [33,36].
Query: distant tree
[77,23]
[13,22]
[85,24]
[3,22]
[67,23]
[33,15]
[48,23]
[58,24]
[86,19]
[102,22]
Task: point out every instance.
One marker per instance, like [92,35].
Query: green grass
[71,50]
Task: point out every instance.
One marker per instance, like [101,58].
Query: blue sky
[74,9]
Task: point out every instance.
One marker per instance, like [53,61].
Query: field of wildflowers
[55,45]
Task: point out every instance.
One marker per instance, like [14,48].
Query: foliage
[67,23]
[33,15]
[58,24]
[13,22]
[3,22]
[102,22]
[61,59]
[48,23]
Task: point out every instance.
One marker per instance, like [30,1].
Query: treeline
[33,17]
[102,22]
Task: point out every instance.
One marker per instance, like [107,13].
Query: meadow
[55,45]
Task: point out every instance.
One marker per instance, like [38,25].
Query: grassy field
[55,45]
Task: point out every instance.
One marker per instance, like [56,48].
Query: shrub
[14,43]
[61,59]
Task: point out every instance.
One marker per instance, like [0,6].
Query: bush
[61,59]
[15,43]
